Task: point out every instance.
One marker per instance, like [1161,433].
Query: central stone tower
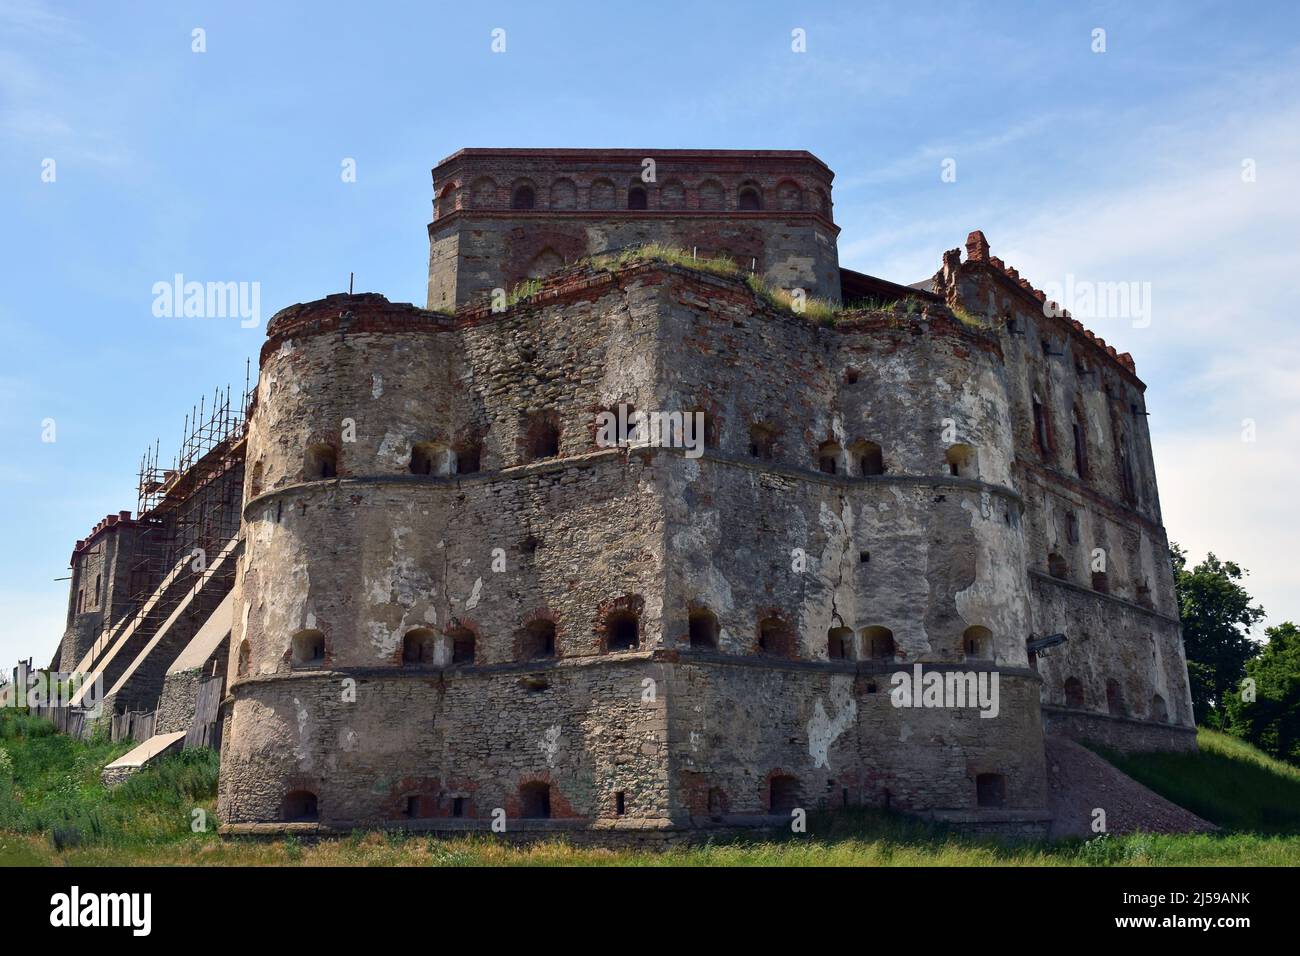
[505,215]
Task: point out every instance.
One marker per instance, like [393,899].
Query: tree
[1272,720]
[1217,614]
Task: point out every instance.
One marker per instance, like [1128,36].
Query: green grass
[1228,782]
[50,784]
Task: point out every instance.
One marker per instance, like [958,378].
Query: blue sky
[225,166]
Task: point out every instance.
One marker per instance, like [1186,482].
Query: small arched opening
[1074,693]
[879,643]
[622,630]
[775,637]
[430,458]
[1159,710]
[961,461]
[321,461]
[703,628]
[868,459]
[782,793]
[308,648]
[538,641]
[1057,567]
[463,645]
[990,790]
[299,806]
[749,199]
[418,647]
[541,437]
[762,441]
[637,197]
[535,801]
[977,642]
[244,663]
[828,457]
[1115,699]
[839,644]
[523,197]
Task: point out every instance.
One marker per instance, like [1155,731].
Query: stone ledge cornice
[1046,578]
[620,455]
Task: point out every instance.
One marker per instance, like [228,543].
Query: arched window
[1042,427]
[469,456]
[535,801]
[636,197]
[417,647]
[299,806]
[1115,699]
[541,437]
[308,648]
[1057,567]
[961,461]
[430,458]
[622,630]
[839,644]
[462,642]
[782,793]
[868,459]
[1158,709]
[762,440]
[524,197]
[1100,582]
[321,461]
[749,199]
[1125,465]
[538,640]
[990,790]
[1074,693]
[878,642]
[1080,437]
[245,662]
[255,482]
[703,628]
[977,642]
[828,457]
[775,637]
[447,199]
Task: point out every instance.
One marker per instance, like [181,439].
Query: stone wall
[373,557]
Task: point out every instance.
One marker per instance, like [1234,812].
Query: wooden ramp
[156,746]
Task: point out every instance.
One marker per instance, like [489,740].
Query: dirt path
[1079,781]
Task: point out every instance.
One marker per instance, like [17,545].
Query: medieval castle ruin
[427,594]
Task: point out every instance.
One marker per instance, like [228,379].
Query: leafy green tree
[1217,615]
[1272,720]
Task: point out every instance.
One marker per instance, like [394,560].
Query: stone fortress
[438,598]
